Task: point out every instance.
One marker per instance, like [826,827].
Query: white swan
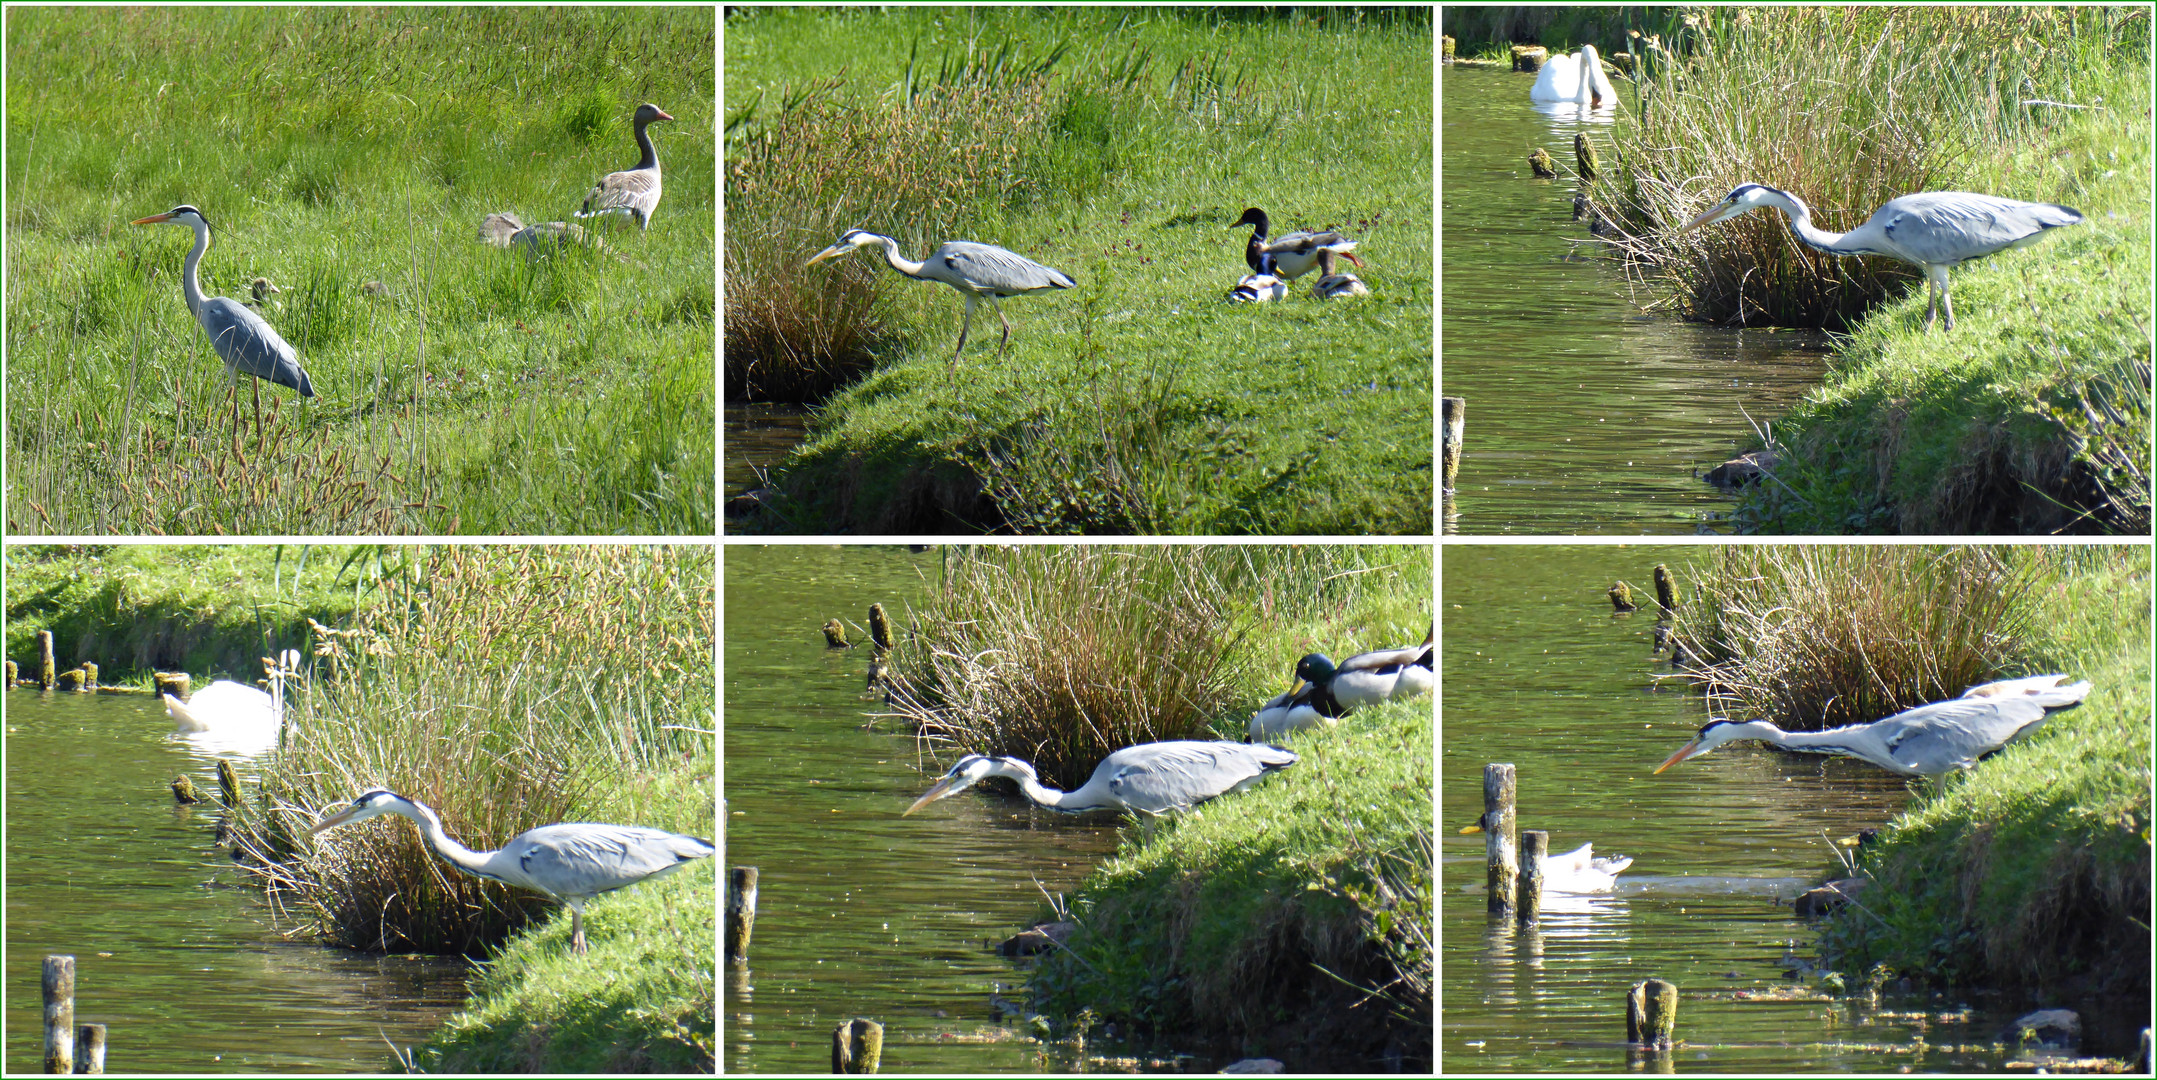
[1578,78]
[238,717]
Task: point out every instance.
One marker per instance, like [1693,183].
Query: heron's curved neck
[476,863]
[902,264]
[1031,786]
[189,283]
[1831,741]
[1801,224]
[650,160]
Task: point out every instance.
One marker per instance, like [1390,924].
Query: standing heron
[633,191]
[1930,740]
[241,338]
[1931,230]
[1294,255]
[1324,691]
[1150,778]
[978,271]
[571,862]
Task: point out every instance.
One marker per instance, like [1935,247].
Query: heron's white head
[648,112]
[848,241]
[372,804]
[1743,198]
[965,772]
[183,215]
[1717,732]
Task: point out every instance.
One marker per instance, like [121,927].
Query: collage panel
[1049,809]
[1079,270]
[191,868]
[1862,809]
[1771,270]
[429,241]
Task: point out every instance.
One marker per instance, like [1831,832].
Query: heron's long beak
[155,219]
[1686,751]
[949,785]
[1715,213]
[832,252]
[334,820]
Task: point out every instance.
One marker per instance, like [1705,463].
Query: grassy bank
[2033,415]
[213,612]
[1290,920]
[349,156]
[1117,146]
[2031,873]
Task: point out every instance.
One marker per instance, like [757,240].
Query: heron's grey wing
[578,859]
[251,345]
[1954,734]
[1950,226]
[1157,777]
[991,269]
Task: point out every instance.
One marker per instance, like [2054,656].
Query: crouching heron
[1150,778]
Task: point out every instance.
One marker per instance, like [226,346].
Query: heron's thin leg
[964,326]
[576,932]
[1947,306]
[1006,347]
[257,385]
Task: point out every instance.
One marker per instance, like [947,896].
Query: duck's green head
[1316,668]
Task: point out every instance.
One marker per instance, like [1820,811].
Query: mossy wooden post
[58,986]
[1539,163]
[14,674]
[91,1060]
[184,792]
[1666,589]
[835,635]
[857,1046]
[228,784]
[1500,858]
[1651,1014]
[1621,597]
[1445,48]
[1585,157]
[71,680]
[89,676]
[48,672]
[1529,58]
[1454,412]
[1534,849]
[170,682]
[740,914]
[879,626]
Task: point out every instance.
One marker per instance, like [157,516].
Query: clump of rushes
[506,687]
[1816,637]
[1819,102]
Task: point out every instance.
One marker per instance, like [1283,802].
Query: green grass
[1116,146]
[2033,871]
[1263,919]
[209,611]
[333,148]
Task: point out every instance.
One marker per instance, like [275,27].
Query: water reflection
[1586,413]
[758,439]
[174,953]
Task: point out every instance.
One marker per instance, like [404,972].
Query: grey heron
[1929,740]
[1339,286]
[633,191]
[1294,255]
[978,271]
[1257,289]
[1931,230]
[1578,79]
[571,862]
[1324,691]
[1150,778]
[241,338]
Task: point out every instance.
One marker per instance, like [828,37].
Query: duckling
[1337,286]
[1294,255]
[1257,289]
[260,291]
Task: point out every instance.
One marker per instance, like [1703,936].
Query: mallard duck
[1338,286]
[1294,255]
[1324,691]
[1257,289]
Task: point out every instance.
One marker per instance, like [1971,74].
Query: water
[863,912]
[1585,415]
[195,977]
[758,439]
[1538,672]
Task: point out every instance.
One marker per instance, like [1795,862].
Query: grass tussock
[1847,108]
[2032,872]
[506,688]
[1062,655]
[1292,920]
[1816,637]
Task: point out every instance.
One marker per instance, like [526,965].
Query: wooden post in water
[1534,848]
[1453,411]
[835,635]
[13,674]
[228,784]
[1651,1014]
[59,991]
[1621,598]
[89,676]
[91,1061]
[879,626]
[1666,589]
[174,683]
[740,914]
[1500,855]
[48,672]
[857,1046]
